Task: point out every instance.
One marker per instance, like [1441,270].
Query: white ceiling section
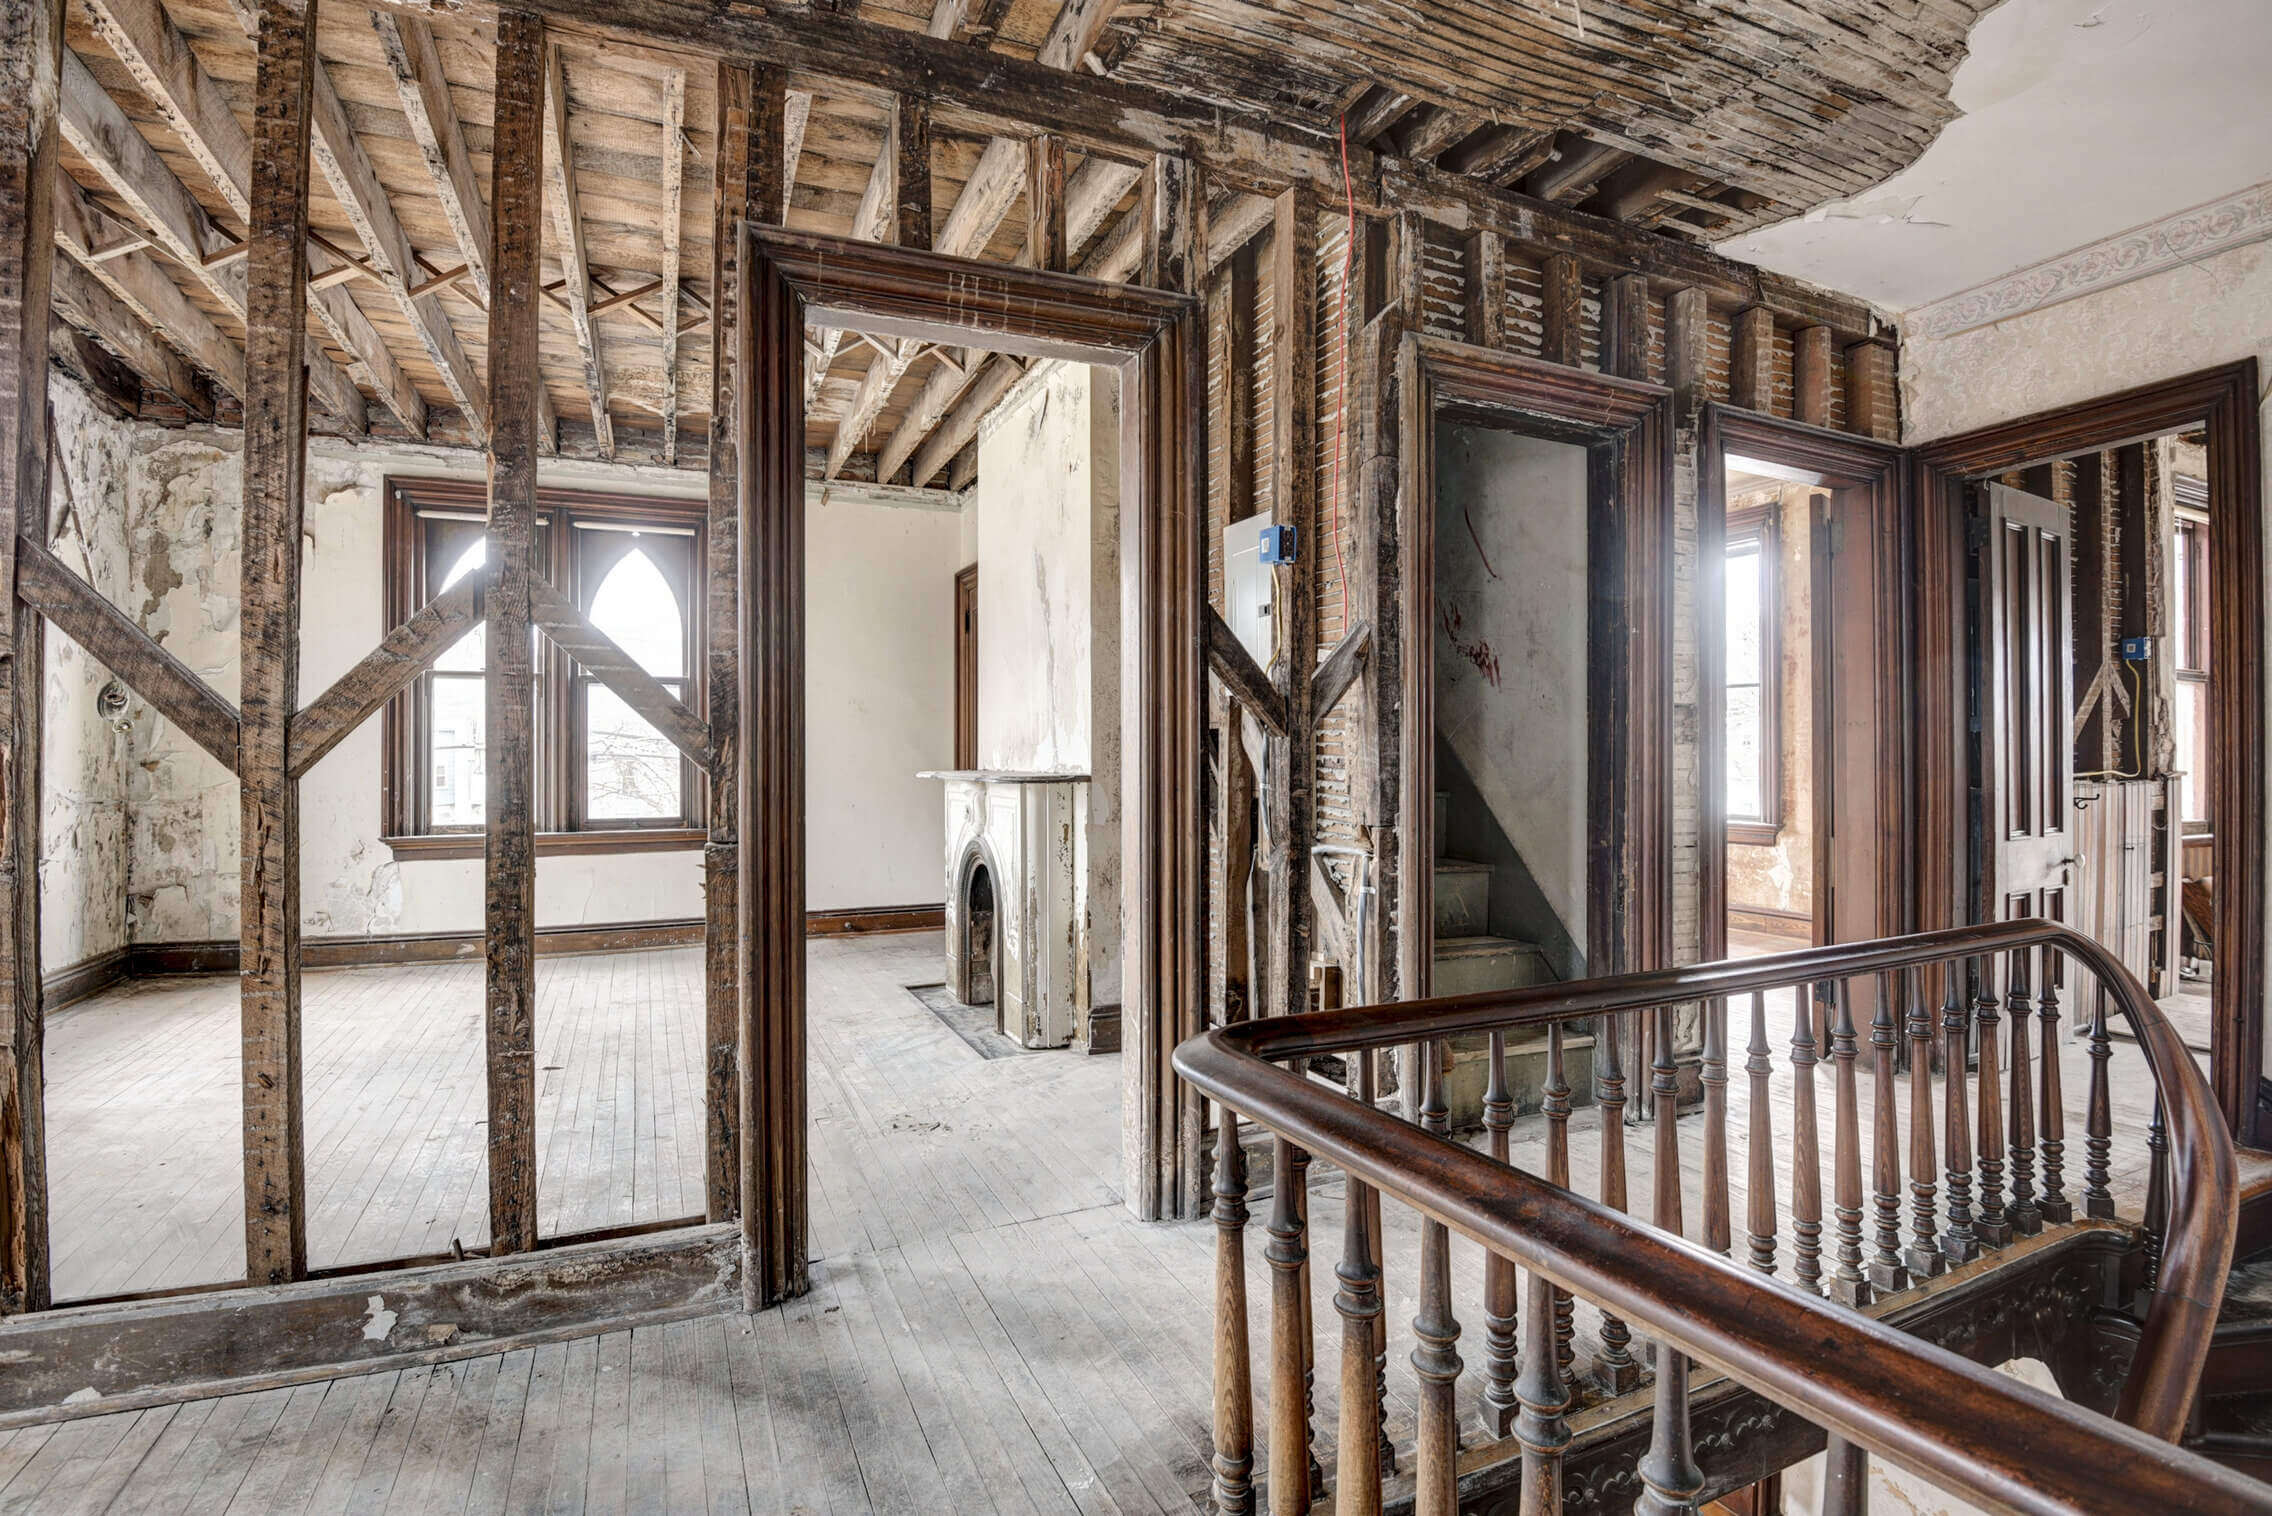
[2082,118]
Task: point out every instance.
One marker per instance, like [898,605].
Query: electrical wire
[2136,679]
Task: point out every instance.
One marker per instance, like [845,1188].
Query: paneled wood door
[966,668]
[2027,743]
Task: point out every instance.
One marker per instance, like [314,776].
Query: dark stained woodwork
[1625,302]
[594,652]
[1872,401]
[1751,361]
[1291,1440]
[1241,378]
[2222,401]
[1847,1285]
[1233,886]
[1806,1150]
[966,667]
[1045,203]
[111,637]
[275,457]
[1810,375]
[1244,679]
[528,72]
[31,49]
[1759,1144]
[1234,1385]
[1687,348]
[1290,792]
[1560,319]
[1338,673]
[383,673]
[1486,297]
[911,171]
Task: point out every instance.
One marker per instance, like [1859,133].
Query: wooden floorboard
[988,1330]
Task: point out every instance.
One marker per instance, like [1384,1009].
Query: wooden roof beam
[99,131]
[1575,169]
[674,189]
[568,242]
[416,64]
[147,290]
[1428,131]
[876,214]
[1637,186]
[82,300]
[1380,108]
[1073,35]
[145,39]
[1499,154]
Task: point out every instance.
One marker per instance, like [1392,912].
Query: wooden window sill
[675,839]
[1753,834]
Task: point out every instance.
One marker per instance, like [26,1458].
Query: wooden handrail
[1861,1380]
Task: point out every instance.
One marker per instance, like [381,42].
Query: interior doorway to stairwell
[1774,895]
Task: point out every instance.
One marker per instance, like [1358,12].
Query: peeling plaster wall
[1510,643]
[86,753]
[2216,311]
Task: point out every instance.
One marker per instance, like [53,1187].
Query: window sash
[1754,533]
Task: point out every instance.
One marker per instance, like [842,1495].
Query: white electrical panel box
[1248,587]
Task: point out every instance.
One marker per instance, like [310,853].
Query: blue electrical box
[2134,649]
[1278,544]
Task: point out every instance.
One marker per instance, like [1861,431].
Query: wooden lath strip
[155,53]
[568,243]
[383,673]
[111,638]
[557,617]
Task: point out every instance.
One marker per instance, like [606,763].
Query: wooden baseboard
[875,920]
[88,977]
[180,1347]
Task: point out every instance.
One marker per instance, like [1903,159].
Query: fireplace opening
[978,935]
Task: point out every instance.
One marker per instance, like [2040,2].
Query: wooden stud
[145,288]
[1293,494]
[1486,289]
[88,305]
[275,456]
[1751,366]
[385,672]
[559,179]
[1240,378]
[531,107]
[1872,403]
[1560,317]
[1685,347]
[1045,202]
[31,49]
[1625,326]
[1810,375]
[598,655]
[911,166]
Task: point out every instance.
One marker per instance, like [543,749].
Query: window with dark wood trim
[606,780]
[1753,677]
[2189,648]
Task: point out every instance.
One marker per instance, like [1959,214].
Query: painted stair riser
[1470,1074]
[1465,966]
[1463,899]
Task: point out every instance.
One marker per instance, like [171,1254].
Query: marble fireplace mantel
[1017,899]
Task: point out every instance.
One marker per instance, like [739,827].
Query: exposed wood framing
[911,172]
[275,458]
[383,673]
[1246,681]
[1291,790]
[87,304]
[1872,408]
[1338,673]
[1751,364]
[1045,203]
[674,182]
[100,133]
[559,177]
[146,289]
[155,53]
[1686,345]
[408,43]
[1487,289]
[877,214]
[1810,375]
[531,127]
[1562,334]
[599,656]
[31,43]
[1074,33]
[1625,327]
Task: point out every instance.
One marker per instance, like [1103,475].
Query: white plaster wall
[879,700]
[82,862]
[1034,606]
[2216,311]
[1510,643]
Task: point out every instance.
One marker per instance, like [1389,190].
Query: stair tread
[1449,865]
[1480,945]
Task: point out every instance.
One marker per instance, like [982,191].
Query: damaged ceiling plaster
[2081,119]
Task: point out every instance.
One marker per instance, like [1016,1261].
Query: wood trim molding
[876,921]
[435,846]
[2223,401]
[1626,426]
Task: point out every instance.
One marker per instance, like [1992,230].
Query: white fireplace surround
[1018,842]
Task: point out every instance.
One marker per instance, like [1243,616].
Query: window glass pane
[455,783]
[631,770]
[2192,718]
[1743,616]
[1745,795]
[636,609]
[468,655]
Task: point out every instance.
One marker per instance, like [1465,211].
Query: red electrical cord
[1341,368]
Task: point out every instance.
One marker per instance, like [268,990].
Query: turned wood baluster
[1357,1475]
[1887,1272]
[1845,1479]
[1234,1373]
[1714,1073]
[1368,1086]
[1435,1353]
[1617,1369]
[1544,1394]
[1847,1286]
[2020,1164]
[2098,1120]
[2052,1148]
[1664,1087]
[2157,1192]
[1806,1152]
[1309,1321]
[1554,1102]
[1759,1139]
[1924,1253]
[1670,1479]
[1288,1252]
[1497,1410]
[1959,1243]
[1992,1226]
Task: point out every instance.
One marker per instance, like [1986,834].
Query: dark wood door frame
[966,667]
[1157,340]
[2222,401]
[1871,480]
[1626,428]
